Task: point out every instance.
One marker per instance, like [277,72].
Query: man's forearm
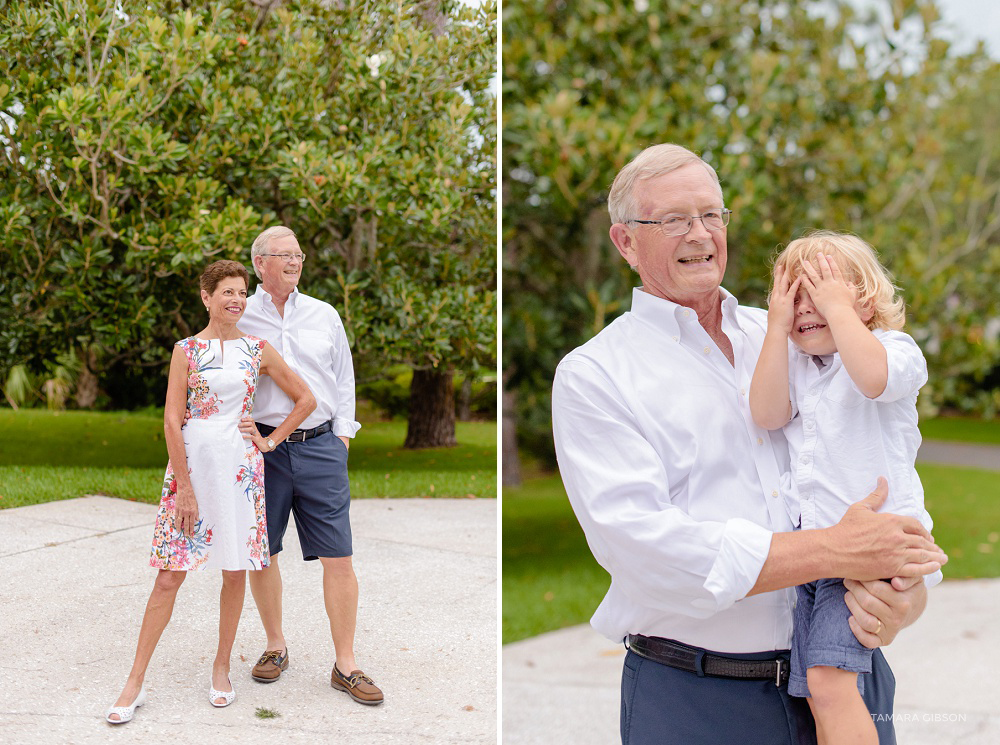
[794,559]
[864,545]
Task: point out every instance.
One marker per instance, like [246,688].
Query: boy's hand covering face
[781,306]
[827,288]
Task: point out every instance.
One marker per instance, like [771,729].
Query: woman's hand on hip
[249,431]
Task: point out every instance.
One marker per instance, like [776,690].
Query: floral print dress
[227,472]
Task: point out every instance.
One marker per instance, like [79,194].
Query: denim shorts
[822,635]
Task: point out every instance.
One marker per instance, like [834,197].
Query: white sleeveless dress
[227,472]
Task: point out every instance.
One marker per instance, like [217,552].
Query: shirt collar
[822,362]
[667,315]
[729,306]
[265,295]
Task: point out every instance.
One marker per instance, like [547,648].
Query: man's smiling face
[280,276]
[686,269]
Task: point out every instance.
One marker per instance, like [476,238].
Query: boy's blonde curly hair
[858,264]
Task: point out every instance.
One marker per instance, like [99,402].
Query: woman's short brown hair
[219,270]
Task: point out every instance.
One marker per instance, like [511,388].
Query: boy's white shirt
[840,441]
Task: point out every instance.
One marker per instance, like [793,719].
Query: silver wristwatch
[270,444]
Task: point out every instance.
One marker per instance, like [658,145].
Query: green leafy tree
[142,141]
[812,119]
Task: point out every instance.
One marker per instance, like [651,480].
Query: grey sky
[974,20]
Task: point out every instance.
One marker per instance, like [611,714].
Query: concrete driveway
[75,584]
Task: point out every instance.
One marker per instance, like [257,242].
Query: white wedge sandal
[213,694]
[125,713]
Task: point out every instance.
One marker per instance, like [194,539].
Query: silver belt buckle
[777,675]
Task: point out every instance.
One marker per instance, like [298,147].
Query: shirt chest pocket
[316,345]
[843,394]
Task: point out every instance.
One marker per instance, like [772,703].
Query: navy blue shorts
[822,636]
[665,706]
[309,479]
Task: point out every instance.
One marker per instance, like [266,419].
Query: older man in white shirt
[679,492]
[307,473]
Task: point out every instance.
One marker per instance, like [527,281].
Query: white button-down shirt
[840,441]
[676,488]
[312,340]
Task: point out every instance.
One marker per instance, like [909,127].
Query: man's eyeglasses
[678,224]
[289,258]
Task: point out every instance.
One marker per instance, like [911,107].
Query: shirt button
[687,313]
[760,440]
[743,391]
[707,350]
[810,425]
[674,338]
[806,460]
[774,493]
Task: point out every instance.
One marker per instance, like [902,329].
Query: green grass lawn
[550,579]
[965,505]
[60,455]
[82,438]
[960,429]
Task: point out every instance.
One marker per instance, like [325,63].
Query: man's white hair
[654,161]
[262,243]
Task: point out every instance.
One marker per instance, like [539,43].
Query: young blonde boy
[845,392]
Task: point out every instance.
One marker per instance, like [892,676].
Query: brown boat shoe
[269,666]
[357,685]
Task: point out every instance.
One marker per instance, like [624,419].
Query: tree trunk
[86,389]
[432,410]
[464,412]
[87,384]
[511,473]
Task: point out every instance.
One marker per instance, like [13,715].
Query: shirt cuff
[744,549]
[930,580]
[345,427]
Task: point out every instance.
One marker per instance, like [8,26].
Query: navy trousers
[665,706]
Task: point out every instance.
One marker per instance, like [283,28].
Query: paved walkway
[75,584]
[960,454]
[563,687]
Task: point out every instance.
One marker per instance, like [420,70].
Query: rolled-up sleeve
[930,580]
[906,364]
[742,553]
[657,554]
[344,424]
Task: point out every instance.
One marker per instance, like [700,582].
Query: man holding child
[680,493]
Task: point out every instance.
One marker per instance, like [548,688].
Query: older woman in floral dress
[212,506]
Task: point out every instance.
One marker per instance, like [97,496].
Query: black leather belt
[299,435]
[700,662]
